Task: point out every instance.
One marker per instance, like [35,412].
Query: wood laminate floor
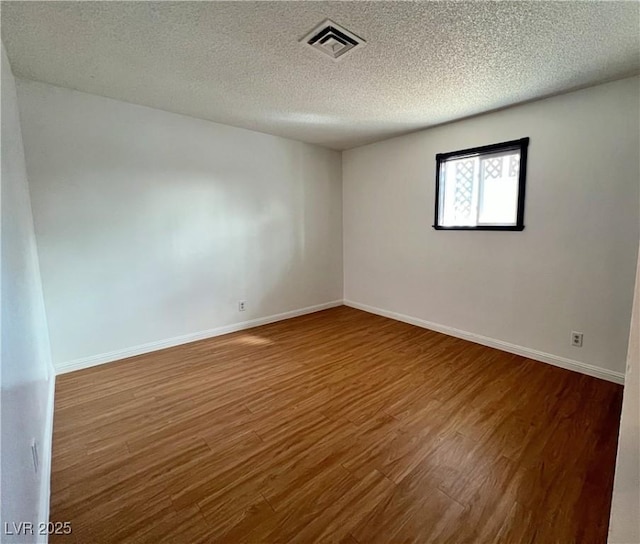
[339,426]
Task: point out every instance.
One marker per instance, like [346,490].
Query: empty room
[314,271]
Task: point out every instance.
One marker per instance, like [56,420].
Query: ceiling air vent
[332,40]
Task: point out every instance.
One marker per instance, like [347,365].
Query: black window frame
[522,145]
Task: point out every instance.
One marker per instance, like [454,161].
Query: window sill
[483,227]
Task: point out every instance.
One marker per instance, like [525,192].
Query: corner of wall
[344,253]
[47,451]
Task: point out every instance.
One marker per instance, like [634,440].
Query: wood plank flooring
[339,426]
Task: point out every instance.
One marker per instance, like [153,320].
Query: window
[482,188]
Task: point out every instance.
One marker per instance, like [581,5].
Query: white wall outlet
[34,455]
[242,306]
[576,339]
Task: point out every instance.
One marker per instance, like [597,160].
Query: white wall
[26,372]
[624,527]
[573,266]
[152,225]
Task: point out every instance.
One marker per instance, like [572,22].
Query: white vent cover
[332,40]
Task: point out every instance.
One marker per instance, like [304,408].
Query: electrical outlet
[242,306]
[576,339]
[34,455]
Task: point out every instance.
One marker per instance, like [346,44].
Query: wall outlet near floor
[34,455]
[242,306]
[576,339]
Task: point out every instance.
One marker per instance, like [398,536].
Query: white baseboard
[94,360]
[46,454]
[562,362]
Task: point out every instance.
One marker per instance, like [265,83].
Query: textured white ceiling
[240,63]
